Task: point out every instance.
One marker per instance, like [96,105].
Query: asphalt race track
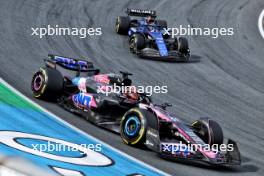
[226,85]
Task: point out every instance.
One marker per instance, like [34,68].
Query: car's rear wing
[140,12]
[70,64]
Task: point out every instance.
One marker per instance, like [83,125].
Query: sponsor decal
[149,143]
[82,100]
[151,132]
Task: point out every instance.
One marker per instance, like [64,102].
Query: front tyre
[209,131]
[133,126]
[137,42]
[47,83]
[183,46]
[173,45]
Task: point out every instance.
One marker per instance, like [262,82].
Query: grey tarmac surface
[226,85]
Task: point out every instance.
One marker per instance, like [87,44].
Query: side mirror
[164,105]
[125,74]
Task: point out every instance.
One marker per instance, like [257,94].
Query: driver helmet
[150,19]
[133,96]
[132,93]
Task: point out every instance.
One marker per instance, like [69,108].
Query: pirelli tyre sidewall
[47,83]
[136,136]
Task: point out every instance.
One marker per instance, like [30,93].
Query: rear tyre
[162,23]
[47,83]
[137,42]
[183,46]
[122,25]
[133,126]
[209,131]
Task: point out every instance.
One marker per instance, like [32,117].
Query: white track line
[80,131]
[261,23]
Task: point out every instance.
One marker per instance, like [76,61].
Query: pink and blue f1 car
[81,89]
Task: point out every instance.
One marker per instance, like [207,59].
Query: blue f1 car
[147,36]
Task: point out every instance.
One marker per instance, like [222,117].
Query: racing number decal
[90,157]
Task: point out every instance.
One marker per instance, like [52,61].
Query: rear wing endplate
[140,12]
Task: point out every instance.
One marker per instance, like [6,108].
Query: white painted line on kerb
[261,23]
[80,131]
